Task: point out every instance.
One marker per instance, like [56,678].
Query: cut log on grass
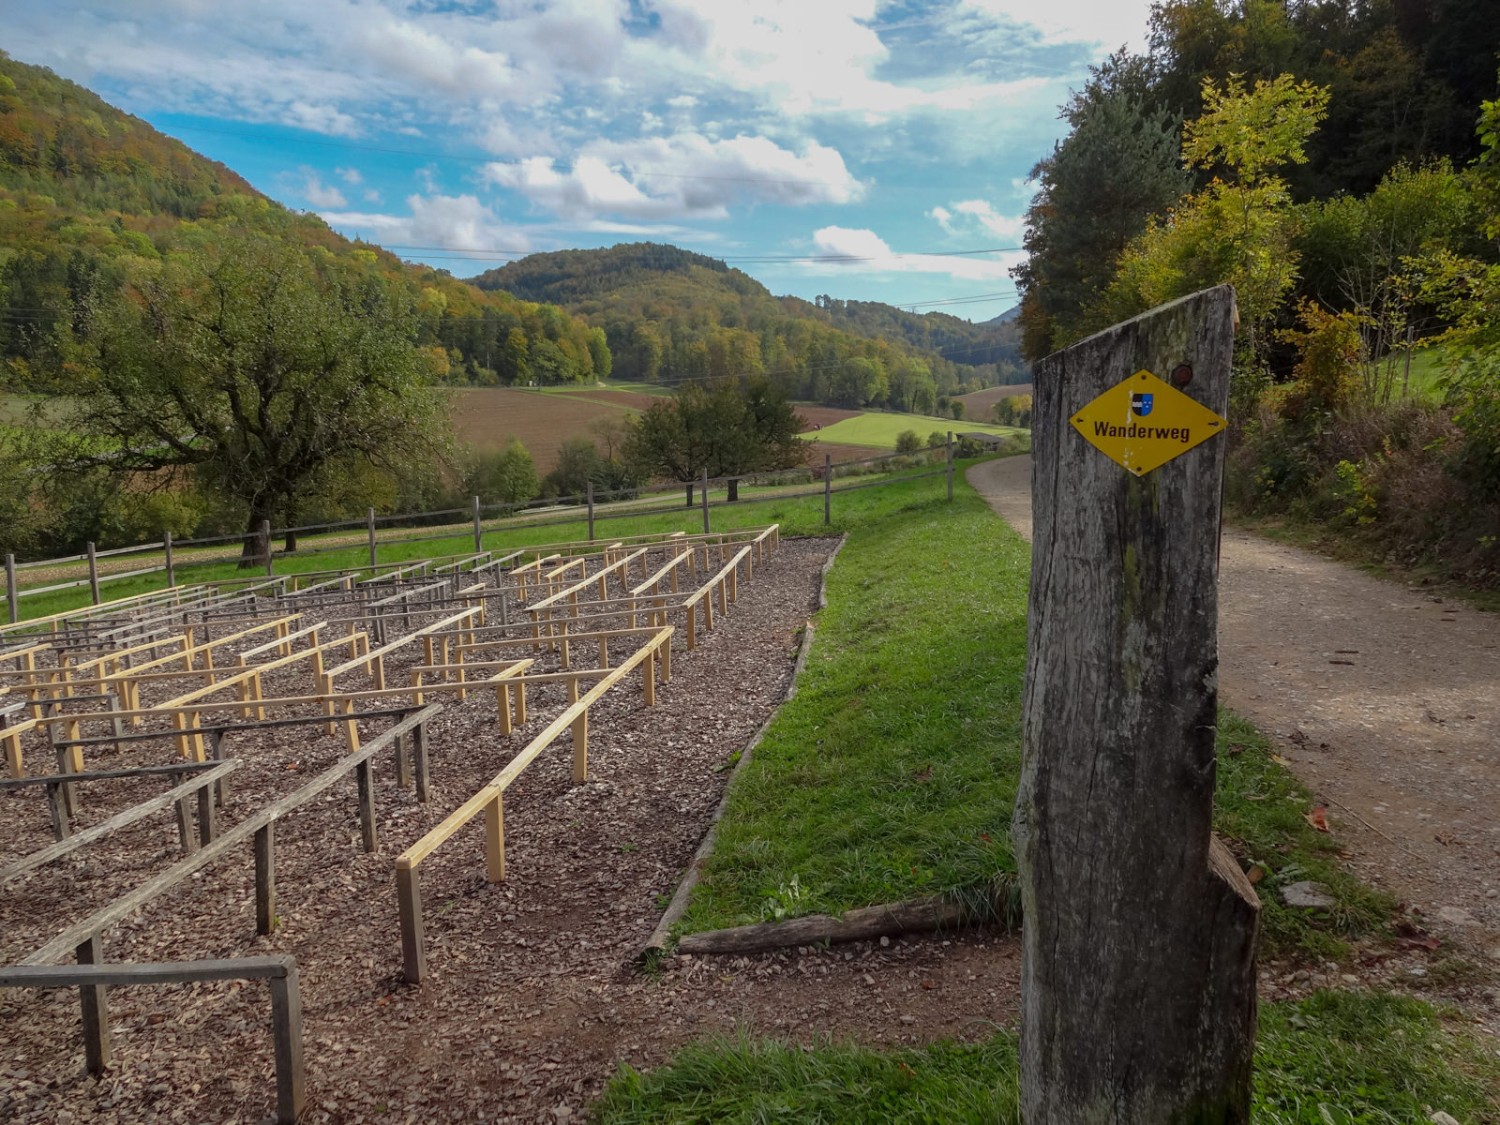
[1138,972]
[918,916]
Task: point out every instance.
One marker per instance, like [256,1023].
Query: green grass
[1333,1059]
[893,771]
[880,430]
[1427,370]
[1258,809]
[886,777]
[797,516]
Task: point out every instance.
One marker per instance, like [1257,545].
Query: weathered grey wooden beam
[91,978]
[130,902]
[201,783]
[1138,973]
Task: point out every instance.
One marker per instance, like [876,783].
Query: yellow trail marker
[1142,423]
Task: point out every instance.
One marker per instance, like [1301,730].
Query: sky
[865,149]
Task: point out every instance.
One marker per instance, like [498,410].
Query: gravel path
[1384,698]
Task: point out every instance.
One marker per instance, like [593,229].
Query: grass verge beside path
[1333,1059]
[893,771]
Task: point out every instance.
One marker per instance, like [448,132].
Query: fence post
[950,465]
[12,595]
[265,538]
[371,526]
[92,997]
[93,573]
[705,501]
[286,1035]
[591,510]
[1113,819]
[827,488]
[171,563]
[478,529]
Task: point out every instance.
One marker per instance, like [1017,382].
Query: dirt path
[1385,699]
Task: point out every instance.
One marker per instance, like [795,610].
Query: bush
[907,441]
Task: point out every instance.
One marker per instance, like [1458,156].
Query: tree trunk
[253,552]
[1138,972]
[734,489]
[689,486]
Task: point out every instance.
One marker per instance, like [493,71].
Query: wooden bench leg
[93,999]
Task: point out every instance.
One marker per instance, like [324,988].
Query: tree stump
[1138,973]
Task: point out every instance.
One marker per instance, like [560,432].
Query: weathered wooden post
[827,488]
[166,544]
[478,529]
[12,595]
[265,542]
[590,498]
[950,465]
[93,573]
[705,501]
[1138,971]
[370,527]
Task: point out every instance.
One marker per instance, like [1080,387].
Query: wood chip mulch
[532,999]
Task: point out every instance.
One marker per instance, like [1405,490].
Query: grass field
[881,430]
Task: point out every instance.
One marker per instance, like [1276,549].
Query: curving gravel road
[1385,699]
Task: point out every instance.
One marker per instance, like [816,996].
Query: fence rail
[482,520]
[92,981]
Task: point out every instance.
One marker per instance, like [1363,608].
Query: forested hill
[989,342]
[670,314]
[88,194]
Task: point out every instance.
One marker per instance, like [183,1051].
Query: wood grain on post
[286,1037]
[93,573]
[92,997]
[265,878]
[12,595]
[1138,972]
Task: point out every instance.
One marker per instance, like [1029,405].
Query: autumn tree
[1239,229]
[727,428]
[263,365]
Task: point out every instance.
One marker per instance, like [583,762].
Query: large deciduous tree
[262,364]
[728,428]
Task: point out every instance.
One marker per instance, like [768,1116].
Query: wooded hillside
[670,315]
[86,191]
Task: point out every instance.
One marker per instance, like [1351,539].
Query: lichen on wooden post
[1138,973]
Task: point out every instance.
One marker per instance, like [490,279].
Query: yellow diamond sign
[1143,423]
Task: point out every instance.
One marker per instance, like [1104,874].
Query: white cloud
[350,175]
[1006,226]
[447,222]
[319,194]
[944,218]
[864,251]
[1108,25]
[685,175]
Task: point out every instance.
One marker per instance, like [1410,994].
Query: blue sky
[866,149]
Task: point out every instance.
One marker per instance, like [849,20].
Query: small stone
[1312,896]
[1455,916]
[908,1019]
[884,942]
[1441,1118]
